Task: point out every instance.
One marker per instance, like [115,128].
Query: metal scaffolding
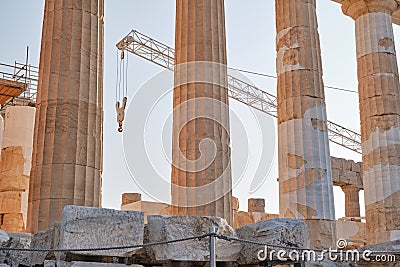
[21,73]
[163,55]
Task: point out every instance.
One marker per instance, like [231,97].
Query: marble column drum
[67,149]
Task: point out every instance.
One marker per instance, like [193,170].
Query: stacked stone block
[346,172]
[15,166]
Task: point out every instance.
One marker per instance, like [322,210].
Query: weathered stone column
[201,171]
[305,175]
[67,152]
[379,97]
[352,200]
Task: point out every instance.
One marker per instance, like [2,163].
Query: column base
[322,233]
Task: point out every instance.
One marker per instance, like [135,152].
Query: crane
[163,55]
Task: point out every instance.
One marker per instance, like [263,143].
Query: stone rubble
[15,258]
[278,232]
[45,239]
[4,238]
[164,228]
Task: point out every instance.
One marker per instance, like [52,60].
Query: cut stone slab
[13,222]
[14,182]
[10,202]
[86,227]
[163,228]
[279,232]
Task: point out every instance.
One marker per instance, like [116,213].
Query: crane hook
[120,113]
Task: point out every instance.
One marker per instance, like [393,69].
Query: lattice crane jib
[163,55]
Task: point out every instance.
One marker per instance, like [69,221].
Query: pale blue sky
[251,46]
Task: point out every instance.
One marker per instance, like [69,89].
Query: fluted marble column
[379,97]
[201,171]
[305,176]
[352,200]
[67,152]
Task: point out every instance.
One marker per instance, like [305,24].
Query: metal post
[26,73]
[213,261]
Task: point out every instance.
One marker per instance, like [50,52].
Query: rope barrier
[231,238]
[199,237]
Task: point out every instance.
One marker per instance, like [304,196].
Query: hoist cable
[116,81]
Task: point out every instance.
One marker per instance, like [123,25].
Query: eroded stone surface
[45,239]
[53,263]
[85,227]
[164,228]
[279,232]
[322,233]
[15,258]
[4,238]
[256,205]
